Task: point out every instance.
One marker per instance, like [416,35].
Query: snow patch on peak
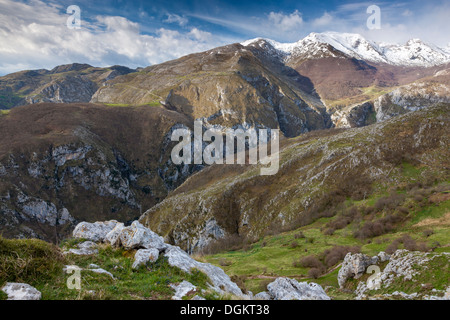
[316,45]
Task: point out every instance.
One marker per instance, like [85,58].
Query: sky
[35,34]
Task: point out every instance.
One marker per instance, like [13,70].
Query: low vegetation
[41,264]
[314,253]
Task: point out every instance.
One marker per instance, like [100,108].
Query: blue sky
[33,34]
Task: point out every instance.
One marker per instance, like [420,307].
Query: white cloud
[325,20]
[35,35]
[277,26]
[174,18]
[200,35]
[286,22]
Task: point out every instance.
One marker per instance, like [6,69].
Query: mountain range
[88,143]
[333,44]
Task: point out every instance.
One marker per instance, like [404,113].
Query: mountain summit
[334,44]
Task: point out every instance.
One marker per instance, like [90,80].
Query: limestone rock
[446,296]
[383,256]
[96,231]
[182,289]
[263,296]
[21,291]
[402,263]
[113,237]
[142,256]
[85,248]
[220,280]
[138,236]
[354,266]
[290,289]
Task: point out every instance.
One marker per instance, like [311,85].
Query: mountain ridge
[414,53]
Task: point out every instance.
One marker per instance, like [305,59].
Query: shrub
[428,232]
[390,249]
[314,273]
[310,262]
[389,203]
[299,235]
[294,244]
[408,243]
[342,220]
[381,226]
[333,256]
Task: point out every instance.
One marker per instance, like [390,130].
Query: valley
[363,172]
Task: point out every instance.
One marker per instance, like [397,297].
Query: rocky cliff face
[64,84]
[417,95]
[63,163]
[228,86]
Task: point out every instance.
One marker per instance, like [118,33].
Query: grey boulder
[21,291]
[354,266]
[96,231]
[84,248]
[138,236]
[182,289]
[220,280]
[290,289]
[113,237]
[263,296]
[142,256]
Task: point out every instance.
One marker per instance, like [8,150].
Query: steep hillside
[318,171]
[60,163]
[348,71]
[66,83]
[380,104]
[228,86]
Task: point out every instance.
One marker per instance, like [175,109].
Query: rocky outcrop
[84,249]
[355,265]
[409,98]
[263,296]
[221,282]
[150,246]
[113,236]
[96,231]
[182,289]
[355,116]
[290,289]
[21,291]
[403,266]
[138,236]
[81,158]
[446,295]
[66,90]
[143,256]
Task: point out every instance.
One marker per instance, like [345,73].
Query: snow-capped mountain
[333,44]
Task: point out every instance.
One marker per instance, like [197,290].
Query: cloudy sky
[34,34]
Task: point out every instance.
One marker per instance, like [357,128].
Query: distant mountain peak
[318,45]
